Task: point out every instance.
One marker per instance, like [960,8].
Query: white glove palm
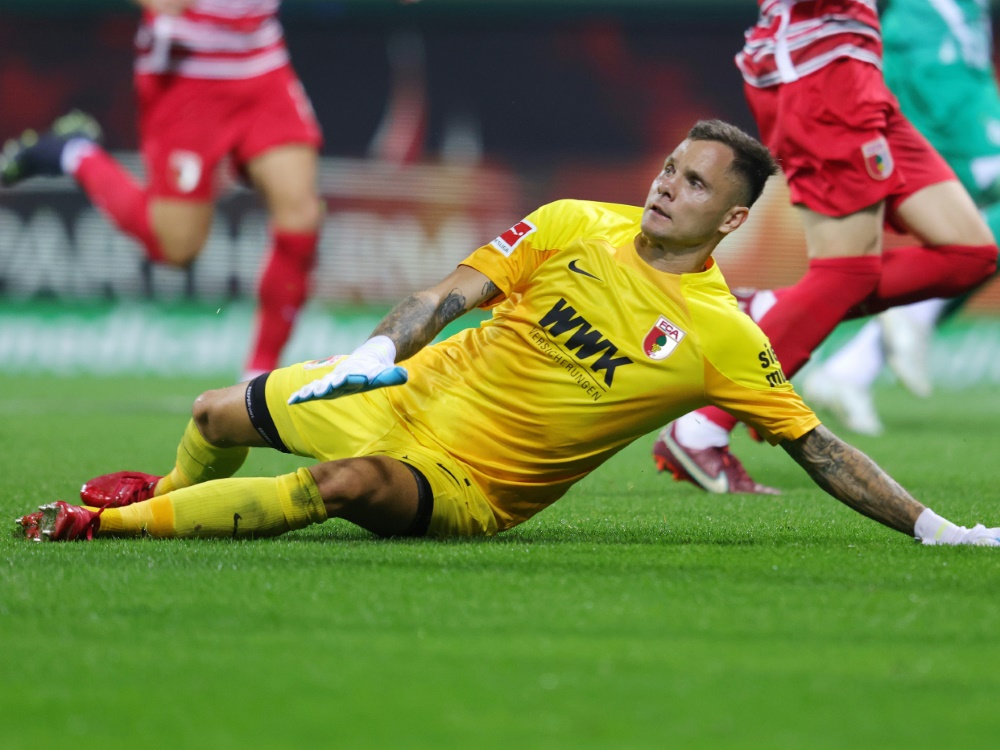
[372,365]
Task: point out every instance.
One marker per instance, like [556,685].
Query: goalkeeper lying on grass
[608,321]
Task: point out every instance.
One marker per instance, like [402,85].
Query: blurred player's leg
[283,289]
[169,230]
[118,195]
[992,216]
[957,253]
[907,332]
[286,176]
[842,384]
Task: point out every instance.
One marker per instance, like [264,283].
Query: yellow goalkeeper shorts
[365,424]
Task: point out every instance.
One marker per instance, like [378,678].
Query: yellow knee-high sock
[200,461]
[252,507]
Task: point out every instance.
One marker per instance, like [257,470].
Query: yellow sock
[154,517]
[253,507]
[200,461]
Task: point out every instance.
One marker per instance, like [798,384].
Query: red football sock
[912,274]
[809,310]
[120,197]
[283,289]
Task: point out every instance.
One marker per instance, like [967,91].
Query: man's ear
[734,219]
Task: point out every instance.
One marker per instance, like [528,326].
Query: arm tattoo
[415,321]
[451,307]
[410,325]
[854,479]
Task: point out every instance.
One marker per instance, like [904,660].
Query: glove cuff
[379,348]
[931,528]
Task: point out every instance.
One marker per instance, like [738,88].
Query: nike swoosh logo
[576,269]
[719,484]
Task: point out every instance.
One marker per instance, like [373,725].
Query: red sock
[117,194]
[808,311]
[911,274]
[283,289]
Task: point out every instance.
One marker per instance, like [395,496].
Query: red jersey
[213,39]
[793,38]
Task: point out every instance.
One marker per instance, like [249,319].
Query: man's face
[693,197]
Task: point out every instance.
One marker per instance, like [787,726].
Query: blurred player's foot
[119,489]
[32,154]
[754,302]
[851,404]
[906,341]
[61,522]
[713,469]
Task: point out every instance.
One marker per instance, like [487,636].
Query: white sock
[697,433]
[762,302]
[860,360]
[931,528]
[925,312]
[75,151]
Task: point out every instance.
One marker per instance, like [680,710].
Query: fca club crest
[878,158]
[662,339]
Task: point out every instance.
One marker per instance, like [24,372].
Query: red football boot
[118,489]
[61,522]
[29,525]
[713,469]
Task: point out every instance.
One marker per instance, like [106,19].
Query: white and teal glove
[932,529]
[372,365]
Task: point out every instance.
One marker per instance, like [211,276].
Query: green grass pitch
[636,612]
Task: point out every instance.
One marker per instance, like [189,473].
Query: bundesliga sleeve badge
[510,239]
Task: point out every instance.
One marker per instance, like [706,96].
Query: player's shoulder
[714,308]
[591,209]
[587,218]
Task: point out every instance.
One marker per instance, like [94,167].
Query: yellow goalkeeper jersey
[588,348]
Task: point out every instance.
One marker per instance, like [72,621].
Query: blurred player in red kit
[213,80]
[812,73]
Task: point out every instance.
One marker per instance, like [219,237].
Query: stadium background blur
[445,122]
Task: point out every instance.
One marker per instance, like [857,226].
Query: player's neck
[669,259]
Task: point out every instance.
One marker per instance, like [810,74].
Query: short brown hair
[753,162]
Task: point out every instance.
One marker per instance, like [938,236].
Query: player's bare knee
[302,213]
[208,415]
[181,252]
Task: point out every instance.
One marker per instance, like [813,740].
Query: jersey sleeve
[511,259]
[743,377]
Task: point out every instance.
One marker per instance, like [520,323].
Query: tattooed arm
[854,479]
[415,321]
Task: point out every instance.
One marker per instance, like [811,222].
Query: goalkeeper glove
[372,365]
[933,529]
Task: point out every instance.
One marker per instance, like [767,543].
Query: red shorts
[187,126]
[842,142]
